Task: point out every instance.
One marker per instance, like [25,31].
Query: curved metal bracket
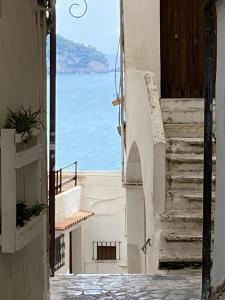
[77,4]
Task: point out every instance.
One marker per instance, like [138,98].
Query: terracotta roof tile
[73,220]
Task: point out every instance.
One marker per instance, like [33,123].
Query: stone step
[185,145]
[187,162]
[185,201]
[183,110]
[187,130]
[179,249]
[182,236]
[181,116]
[181,221]
[176,244]
[179,262]
[181,104]
[186,181]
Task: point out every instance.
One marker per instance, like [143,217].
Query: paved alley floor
[143,287]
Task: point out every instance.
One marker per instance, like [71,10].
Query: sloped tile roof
[73,220]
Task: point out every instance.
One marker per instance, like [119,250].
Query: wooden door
[182,48]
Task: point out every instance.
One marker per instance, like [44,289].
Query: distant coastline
[75,58]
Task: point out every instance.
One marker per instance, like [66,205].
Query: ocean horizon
[87,122]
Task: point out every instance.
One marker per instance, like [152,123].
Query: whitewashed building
[91,225]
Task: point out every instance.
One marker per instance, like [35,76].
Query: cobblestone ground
[143,287]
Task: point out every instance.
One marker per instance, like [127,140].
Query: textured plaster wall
[142,35]
[219,244]
[103,194]
[24,275]
[142,52]
[139,130]
[135,230]
[67,203]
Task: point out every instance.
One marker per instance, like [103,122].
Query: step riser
[188,185]
[185,148]
[183,204]
[182,131]
[181,249]
[184,117]
[183,225]
[195,116]
[186,104]
[173,166]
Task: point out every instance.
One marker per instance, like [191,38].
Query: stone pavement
[143,287]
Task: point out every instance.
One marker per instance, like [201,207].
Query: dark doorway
[182,48]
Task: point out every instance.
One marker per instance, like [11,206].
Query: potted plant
[24,121]
[24,213]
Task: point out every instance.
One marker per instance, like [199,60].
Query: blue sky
[99,27]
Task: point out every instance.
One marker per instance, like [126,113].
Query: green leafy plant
[24,213]
[24,121]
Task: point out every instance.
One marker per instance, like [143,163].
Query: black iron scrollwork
[73,6]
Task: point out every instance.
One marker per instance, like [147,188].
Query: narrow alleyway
[143,287]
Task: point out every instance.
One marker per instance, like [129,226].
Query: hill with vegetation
[75,58]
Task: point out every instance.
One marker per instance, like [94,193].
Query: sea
[86,129]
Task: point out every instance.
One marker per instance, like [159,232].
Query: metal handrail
[59,180]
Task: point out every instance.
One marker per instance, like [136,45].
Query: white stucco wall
[24,275]
[136,235]
[67,203]
[219,244]
[143,119]
[77,255]
[140,131]
[142,35]
[103,194]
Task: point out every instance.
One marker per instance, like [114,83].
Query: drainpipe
[122,112]
[208,122]
[52,135]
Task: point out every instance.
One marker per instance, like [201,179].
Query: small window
[106,250]
[59,252]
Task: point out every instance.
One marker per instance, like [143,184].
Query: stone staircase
[181,233]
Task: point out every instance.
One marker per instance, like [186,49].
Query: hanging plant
[24,121]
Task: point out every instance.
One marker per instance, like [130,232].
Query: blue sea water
[87,122]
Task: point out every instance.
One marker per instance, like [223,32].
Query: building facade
[164,53]
[24,251]
[91,223]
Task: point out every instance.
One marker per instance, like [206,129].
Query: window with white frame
[106,250]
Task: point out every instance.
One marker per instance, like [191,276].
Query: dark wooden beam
[210,67]
[52,139]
